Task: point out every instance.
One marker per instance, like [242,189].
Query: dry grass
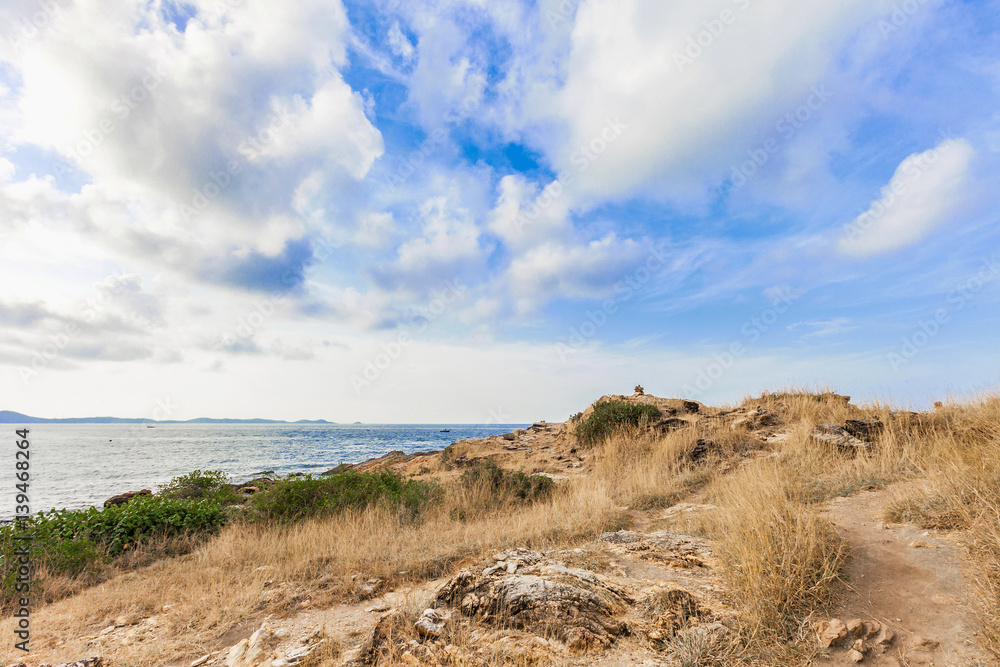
[225,582]
[781,557]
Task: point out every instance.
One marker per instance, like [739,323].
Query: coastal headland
[792,528]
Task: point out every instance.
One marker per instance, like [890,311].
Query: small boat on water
[446,430]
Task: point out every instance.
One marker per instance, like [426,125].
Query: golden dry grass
[781,557]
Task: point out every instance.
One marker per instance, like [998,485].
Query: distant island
[10,417]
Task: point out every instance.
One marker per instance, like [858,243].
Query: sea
[75,466]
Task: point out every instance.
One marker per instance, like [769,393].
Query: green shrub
[296,499]
[73,542]
[201,485]
[114,527]
[503,483]
[609,416]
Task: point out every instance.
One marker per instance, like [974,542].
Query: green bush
[201,485]
[72,542]
[503,483]
[114,527]
[609,416]
[304,497]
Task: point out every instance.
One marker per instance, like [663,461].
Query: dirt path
[908,579]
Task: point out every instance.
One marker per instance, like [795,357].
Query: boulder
[620,537]
[752,420]
[509,437]
[691,406]
[431,624]
[123,498]
[701,449]
[864,430]
[837,436]
[831,632]
[574,606]
[670,424]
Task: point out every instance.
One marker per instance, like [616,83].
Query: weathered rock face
[864,430]
[262,649]
[837,436]
[574,606]
[752,420]
[670,424]
[859,638]
[123,498]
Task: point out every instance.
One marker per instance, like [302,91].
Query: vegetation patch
[201,485]
[609,417]
[297,499]
[506,484]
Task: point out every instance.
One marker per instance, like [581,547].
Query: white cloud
[449,238]
[689,108]
[575,271]
[526,214]
[925,192]
[375,229]
[155,118]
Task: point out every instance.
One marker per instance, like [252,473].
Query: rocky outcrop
[123,498]
[263,649]
[858,638]
[863,430]
[525,591]
[752,420]
[837,436]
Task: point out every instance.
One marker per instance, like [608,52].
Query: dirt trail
[915,590]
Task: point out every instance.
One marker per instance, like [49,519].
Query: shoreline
[241,479]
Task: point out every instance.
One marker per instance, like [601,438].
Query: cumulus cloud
[691,81]
[925,192]
[191,144]
[450,245]
[579,271]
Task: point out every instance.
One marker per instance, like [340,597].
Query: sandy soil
[908,579]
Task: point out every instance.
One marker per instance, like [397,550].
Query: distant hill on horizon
[11,417]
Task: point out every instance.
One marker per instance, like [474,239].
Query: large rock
[864,430]
[837,436]
[574,606]
[123,498]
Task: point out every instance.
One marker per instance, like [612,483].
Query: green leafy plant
[290,500]
[200,485]
[610,416]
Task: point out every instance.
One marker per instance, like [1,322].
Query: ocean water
[78,465]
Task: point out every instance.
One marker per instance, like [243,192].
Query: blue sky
[471,211]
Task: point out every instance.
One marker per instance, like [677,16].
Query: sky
[472,211]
